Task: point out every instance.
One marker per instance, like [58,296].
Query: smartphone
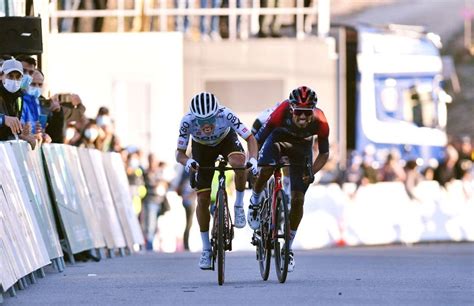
[43,119]
[64,98]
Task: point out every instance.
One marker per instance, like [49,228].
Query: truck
[393,96]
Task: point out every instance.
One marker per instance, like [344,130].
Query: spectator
[136,180]
[89,136]
[183,22]
[72,107]
[446,171]
[214,26]
[466,157]
[11,103]
[154,201]
[72,133]
[242,21]
[354,169]
[269,25]
[391,171]
[412,178]
[108,141]
[28,63]
[369,172]
[48,107]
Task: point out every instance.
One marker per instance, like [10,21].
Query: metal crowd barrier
[60,200]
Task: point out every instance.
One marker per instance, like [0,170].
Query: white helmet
[204,105]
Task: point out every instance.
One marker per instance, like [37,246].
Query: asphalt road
[430,274]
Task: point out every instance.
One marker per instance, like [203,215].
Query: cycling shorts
[207,155]
[298,151]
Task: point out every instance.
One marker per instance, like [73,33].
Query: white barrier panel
[71,215]
[105,193]
[83,196]
[27,248]
[120,190]
[105,220]
[32,173]
[10,267]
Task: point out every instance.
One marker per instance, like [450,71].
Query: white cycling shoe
[205,260]
[291,261]
[253,216]
[239,216]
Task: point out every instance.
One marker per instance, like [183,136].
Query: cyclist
[213,129]
[261,120]
[289,132]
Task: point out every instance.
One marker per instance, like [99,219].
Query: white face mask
[11,85]
[34,91]
[91,134]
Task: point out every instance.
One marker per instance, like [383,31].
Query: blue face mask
[34,91]
[26,81]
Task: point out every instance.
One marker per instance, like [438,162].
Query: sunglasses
[210,121]
[299,111]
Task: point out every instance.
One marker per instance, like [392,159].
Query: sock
[239,199]
[292,237]
[206,244]
[255,199]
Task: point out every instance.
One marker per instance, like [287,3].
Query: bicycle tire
[264,250]
[283,236]
[221,237]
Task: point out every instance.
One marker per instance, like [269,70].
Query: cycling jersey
[281,120]
[262,118]
[225,120]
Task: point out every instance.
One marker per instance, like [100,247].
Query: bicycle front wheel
[264,252]
[220,236]
[281,240]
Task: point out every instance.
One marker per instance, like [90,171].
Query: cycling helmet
[204,105]
[303,97]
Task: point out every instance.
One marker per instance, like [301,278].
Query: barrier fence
[65,200]
[59,199]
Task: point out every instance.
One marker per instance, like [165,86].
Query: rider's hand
[191,164]
[254,167]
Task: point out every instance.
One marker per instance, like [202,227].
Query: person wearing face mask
[89,135]
[11,101]
[48,107]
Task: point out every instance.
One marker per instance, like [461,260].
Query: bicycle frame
[277,187]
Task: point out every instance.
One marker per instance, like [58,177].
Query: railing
[319,9]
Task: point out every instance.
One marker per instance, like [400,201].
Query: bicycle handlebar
[193,178]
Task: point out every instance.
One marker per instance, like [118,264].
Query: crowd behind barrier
[59,198]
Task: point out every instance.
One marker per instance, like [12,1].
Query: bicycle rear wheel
[264,251]
[281,247]
[220,237]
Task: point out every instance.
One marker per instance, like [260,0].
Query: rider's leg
[203,216]
[237,159]
[296,213]
[260,182]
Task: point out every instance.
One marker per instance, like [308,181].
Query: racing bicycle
[222,231]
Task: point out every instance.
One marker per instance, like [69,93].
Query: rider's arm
[320,162]
[323,141]
[181,156]
[252,146]
[183,140]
